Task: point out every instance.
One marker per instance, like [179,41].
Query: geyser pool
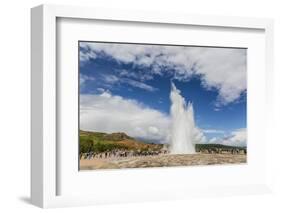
[183,125]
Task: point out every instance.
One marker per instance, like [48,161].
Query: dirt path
[162,161]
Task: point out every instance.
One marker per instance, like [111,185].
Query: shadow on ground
[26,200]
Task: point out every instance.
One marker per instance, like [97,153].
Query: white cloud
[199,136]
[87,53]
[101,90]
[138,84]
[84,78]
[223,69]
[213,131]
[138,76]
[108,113]
[112,79]
[153,130]
[214,140]
[236,138]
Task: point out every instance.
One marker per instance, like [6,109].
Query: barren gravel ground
[162,160]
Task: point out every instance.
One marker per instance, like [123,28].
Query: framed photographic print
[148,105]
[134,111]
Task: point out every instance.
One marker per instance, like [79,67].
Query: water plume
[183,125]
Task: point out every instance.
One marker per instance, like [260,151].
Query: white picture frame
[44,135]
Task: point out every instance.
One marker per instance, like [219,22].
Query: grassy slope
[98,141]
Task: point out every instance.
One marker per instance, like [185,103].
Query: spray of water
[183,126]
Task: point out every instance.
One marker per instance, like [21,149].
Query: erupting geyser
[183,126]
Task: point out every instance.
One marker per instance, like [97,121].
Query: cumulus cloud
[199,136]
[236,138]
[223,69]
[109,113]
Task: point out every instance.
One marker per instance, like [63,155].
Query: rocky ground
[162,161]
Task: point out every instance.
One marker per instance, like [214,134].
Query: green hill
[100,142]
[218,146]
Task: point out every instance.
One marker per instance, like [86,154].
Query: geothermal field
[162,161]
[100,150]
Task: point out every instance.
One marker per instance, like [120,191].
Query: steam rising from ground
[109,113]
[183,125]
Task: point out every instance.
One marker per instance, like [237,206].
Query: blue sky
[136,79]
